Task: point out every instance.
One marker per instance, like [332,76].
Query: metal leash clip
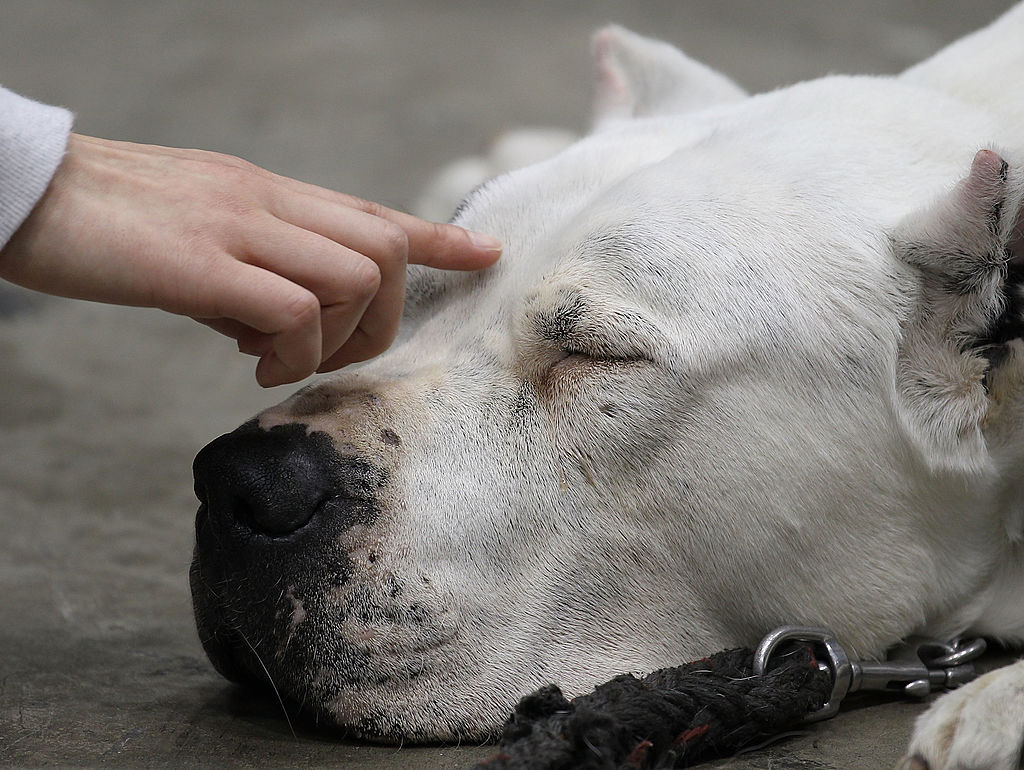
[915,668]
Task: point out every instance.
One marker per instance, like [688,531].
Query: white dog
[747,361]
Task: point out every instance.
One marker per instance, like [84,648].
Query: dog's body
[746,361]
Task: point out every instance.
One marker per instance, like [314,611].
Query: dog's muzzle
[273,507]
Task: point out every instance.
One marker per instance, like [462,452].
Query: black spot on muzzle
[274,482]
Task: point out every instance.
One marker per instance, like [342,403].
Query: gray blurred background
[102,409]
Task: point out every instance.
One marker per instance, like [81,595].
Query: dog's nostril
[275,516]
[272,482]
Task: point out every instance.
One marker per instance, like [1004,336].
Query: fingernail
[484,241]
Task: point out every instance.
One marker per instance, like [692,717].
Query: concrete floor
[102,409]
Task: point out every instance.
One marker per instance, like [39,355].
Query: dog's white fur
[729,374]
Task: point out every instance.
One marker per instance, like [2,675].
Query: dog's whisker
[270,679]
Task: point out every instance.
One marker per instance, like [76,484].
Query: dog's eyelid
[597,350]
[563,336]
[594,350]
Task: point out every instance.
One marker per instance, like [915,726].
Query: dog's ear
[961,356]
[637,77]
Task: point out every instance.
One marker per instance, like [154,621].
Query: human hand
[305,278]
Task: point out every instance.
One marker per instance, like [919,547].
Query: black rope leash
[716,706]
[672,718]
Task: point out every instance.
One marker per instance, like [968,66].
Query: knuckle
[447,234]
[233,175]
[394,241]
[365,279]
[243,180]
[440,241]
[242,166]
[301,309]
[367,207]
[230,164]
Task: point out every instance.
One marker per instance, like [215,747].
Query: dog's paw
[977,727]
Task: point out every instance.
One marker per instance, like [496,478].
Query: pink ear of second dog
[611,83]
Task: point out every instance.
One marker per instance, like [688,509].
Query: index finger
[444,246]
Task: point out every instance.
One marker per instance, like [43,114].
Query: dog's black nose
[275,481]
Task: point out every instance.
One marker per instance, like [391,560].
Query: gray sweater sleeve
[33,138]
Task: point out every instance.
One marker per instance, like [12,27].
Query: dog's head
[745,361]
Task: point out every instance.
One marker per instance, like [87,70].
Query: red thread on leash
[639,755]
[693,732]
